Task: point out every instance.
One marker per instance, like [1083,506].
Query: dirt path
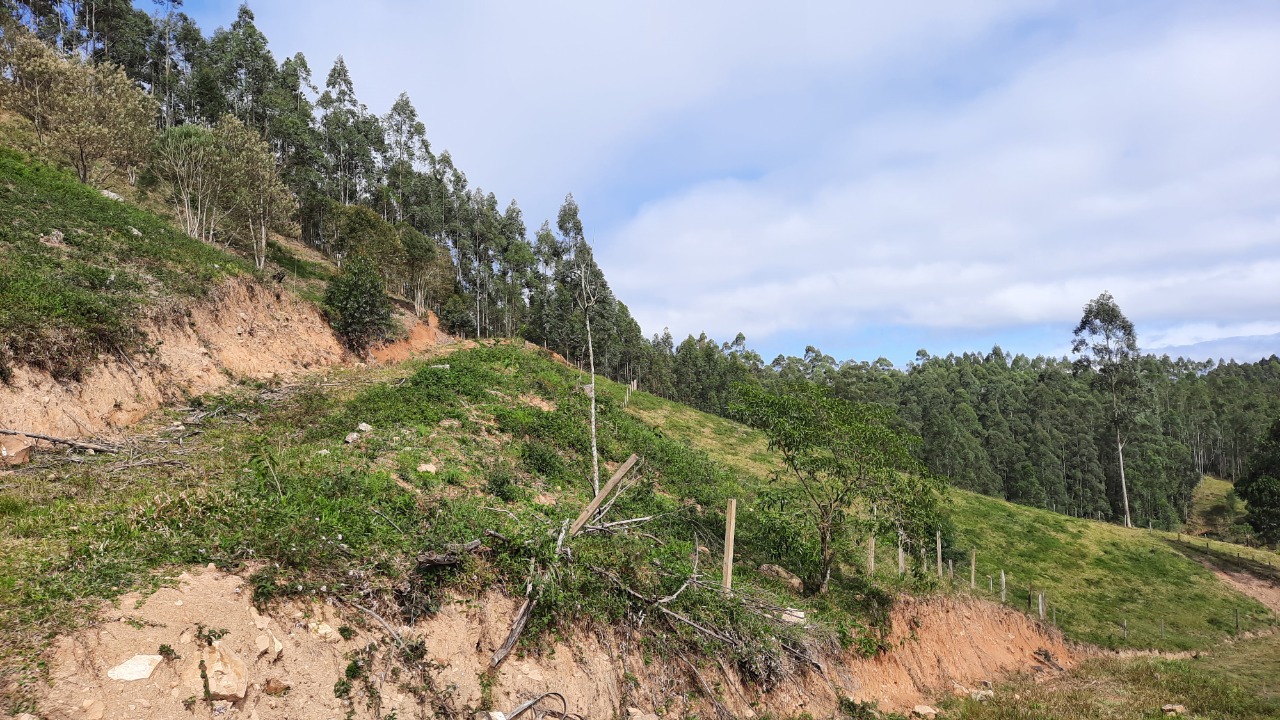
[1261,584]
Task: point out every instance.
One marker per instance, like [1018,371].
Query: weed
[168,653]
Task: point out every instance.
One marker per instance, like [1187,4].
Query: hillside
[1095,576]
[108,312]
[367,487]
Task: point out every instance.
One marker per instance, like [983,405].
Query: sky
[869,178]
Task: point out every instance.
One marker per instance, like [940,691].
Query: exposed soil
[1263,588]
[939,646]
[245,330]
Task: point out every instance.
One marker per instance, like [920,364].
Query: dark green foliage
[1260,488]
[358,306]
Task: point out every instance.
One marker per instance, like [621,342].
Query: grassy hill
[1096,577]
[78,268]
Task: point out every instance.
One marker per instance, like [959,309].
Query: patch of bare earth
[245,329]
[290,659]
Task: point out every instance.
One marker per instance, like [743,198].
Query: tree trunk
[828,559]
[1124,488]
[595,456]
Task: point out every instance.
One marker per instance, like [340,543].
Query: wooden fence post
[871,554]
[1002,594]
[951,569]
[1040,600]
[902,559]
[730,518]
[591,507]
[1126,629]
[991,588]
[939,554]
[973,569]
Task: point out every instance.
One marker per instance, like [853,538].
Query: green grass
[65,303]
[1096,576]
[1112,689]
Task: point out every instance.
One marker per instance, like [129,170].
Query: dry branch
[63,441]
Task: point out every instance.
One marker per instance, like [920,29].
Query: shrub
[358,306]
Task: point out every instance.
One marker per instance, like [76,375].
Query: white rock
[1173,710]
[793,616]
[228,676]
[323,452]
[93,709]
[364,427]
[111,196]
[924,711]
[427,468]
[15,449]
[351,437]
[138,667]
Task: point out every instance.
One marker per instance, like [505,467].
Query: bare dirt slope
[245,330]
[940,646]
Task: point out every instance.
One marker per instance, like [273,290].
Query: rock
[269,645]
[228,676]
[924,711]
[93,709]
[427,468]
[364,427]
[325,632]
[275,687]
[778,572]
[259,621]
[111,196]
[351,437]
[1172,710]
[138,667]
[323,452]
[135,231]
[982,695]
[25,716]
[15,449]
[793,616]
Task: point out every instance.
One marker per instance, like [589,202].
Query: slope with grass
[108,312]
[1096,577]
[480,443]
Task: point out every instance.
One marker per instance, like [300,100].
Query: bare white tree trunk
[1124,488]
[595,456]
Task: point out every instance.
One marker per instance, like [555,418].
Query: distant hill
[1245,348]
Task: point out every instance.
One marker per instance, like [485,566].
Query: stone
[364,428]
[228,676]
[326,632]
[982,695]
[135,231]
[323,452]
[427,468]
[138,667]
[259,621]
[778,572]
[275,687]
[111,196]
[15,449]
[93,709]
[351,437]
[1172,710]
[924,711]
[793,616]
[269,645]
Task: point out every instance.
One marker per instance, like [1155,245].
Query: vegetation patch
[80,268]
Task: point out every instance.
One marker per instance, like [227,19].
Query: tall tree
[1107,344]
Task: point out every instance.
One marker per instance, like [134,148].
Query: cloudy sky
[867,177]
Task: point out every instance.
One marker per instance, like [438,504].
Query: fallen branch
[721,710]
[63,441]
[385,625]
[378,512]
[517,628]
[529,704]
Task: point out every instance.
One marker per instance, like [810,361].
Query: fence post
[1040,601]
[1237,621]
[991,588]
[902,559]
[1126,629]
[951,569]
[1002,594]
[871,554]
[939,554]
[973,569]
[730,519]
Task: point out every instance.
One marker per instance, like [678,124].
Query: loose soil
[939,646]
[245,330]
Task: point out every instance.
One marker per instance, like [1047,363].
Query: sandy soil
[940,646]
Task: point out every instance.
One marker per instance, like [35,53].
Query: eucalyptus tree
[1106,343]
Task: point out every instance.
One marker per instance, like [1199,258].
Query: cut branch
[63,441]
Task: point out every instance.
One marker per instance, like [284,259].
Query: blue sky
[865,178]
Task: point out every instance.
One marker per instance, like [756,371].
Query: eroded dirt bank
[244,330]
[289,663]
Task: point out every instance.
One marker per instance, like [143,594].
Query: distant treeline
[1031,430]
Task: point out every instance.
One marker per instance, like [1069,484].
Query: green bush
[358,306]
